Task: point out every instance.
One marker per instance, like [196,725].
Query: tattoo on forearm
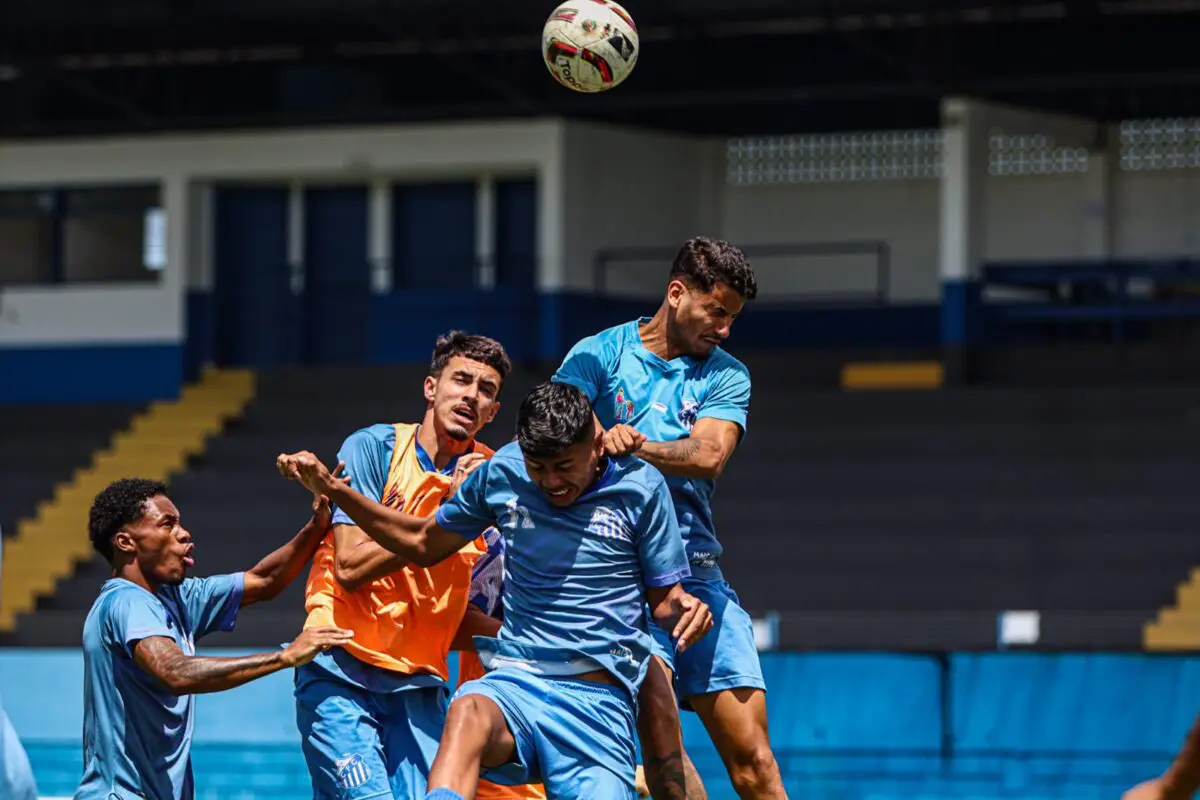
[162,658]
[678,451]
[664,776]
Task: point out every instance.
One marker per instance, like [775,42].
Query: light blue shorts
[726,658]
[577,737]
[363,744]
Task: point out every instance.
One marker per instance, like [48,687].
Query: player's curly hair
[477,348]
[119,504]
[702,263]
[553,417]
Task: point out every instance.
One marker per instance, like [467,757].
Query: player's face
[158,542]
[567,475]
[464,397]
[701,320]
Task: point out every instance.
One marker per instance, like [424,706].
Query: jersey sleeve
[729,397]
[366,454]
[133,616]
[586,367]
[467,513]
[212,603]
[660,544]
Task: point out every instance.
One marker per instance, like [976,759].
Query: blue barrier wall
[843,725]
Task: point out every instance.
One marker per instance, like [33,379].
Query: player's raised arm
[1182,778]
[421,540]
[664,564]
[275,572]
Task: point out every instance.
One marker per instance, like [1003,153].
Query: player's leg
[720,678]
[340,737]
[736,720]
[670,774]
[585,740]
[476,736]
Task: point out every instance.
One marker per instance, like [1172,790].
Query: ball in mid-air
[590,45]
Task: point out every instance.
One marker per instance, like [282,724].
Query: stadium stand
[156,444]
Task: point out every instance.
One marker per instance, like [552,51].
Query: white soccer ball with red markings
[590,45]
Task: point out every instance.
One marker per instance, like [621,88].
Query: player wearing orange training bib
[371,713]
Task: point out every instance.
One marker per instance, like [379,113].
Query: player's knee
[753,768]
[469,715]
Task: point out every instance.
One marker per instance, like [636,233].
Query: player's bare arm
[475,623]
[270,576]
[703,454]
[686,618]
[418,540]
[358,560]
[183,674]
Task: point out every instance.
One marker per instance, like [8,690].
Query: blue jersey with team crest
[629,385]
[575,577]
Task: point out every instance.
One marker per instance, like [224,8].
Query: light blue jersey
[137,736]
[16,776]
[627,384]
[574,577]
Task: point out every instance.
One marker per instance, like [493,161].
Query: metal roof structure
[706,66]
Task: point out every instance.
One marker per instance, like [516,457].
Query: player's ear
[123,542]
[675,292]
[430,387]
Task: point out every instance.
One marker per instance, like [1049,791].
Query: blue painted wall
[844,725]
[134,373]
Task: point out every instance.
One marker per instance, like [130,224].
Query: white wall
[1028,216]
[185,165]
[625,188]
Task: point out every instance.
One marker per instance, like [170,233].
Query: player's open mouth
[188,561]
[464,414]
[563,492]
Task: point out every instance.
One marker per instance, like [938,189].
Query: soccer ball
[590,45]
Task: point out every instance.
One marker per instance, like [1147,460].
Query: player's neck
[654,336]
[131,573]
[441,449]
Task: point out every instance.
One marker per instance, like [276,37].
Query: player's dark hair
[121,503]
[702,263]
[553,417]
[477,348]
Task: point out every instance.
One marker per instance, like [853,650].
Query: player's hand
[313,641]
[321,507]
[309,471]
[622,440]
[639,782]
[465,466]
[695,620]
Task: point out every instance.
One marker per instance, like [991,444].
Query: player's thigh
[342,740]
[592,782]
[504,708]
[586,741]
[412,729]
[727,657]
[736,721]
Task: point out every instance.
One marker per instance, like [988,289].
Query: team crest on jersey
[623,409]
[352,771]
[608,524]
[688,414]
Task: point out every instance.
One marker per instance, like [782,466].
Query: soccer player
[588,541]
[139,640]
[370,713]
[666,392]
[16,776]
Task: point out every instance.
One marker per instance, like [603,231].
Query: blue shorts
[726,658]
[577,737]
[362,744]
